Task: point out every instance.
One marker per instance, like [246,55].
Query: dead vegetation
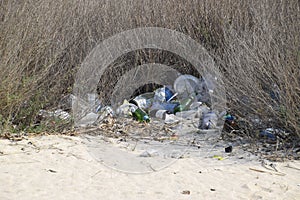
[255,44]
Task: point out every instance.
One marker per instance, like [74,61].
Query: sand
[65,167]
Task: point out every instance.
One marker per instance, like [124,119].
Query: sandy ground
[63,167]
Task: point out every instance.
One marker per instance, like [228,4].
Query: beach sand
[65,167]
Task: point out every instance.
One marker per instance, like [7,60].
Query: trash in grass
[186,101]
[140,115]
[268,133]
[188,114]
[93,102]
[105,112]
[125,110]
[160,114]
[87,120]
[149,153]
[169,106]
[228,149]
[210,120]
[184,104]
[59,113]
[230,123]
[186,85]
[171,118]
[143,101]
[218,157]
[163,94]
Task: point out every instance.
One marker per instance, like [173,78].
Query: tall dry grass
[254,43]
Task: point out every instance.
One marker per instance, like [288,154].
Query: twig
[134,146]
[96,173]
[52,171]
[288,166]
[152,168]
[263,171]
[265,165]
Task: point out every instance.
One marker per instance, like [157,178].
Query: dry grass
[255,44]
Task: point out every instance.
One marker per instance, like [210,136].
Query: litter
[218,157]
[163,94]
[268,133]
[230,123]
[62,114]
[140,115]
[228,149]
[149,153]
[184,105]
[87,120]
[189,114]
[186,85]
[160,114]
[143,101]
[210,120]
[187,102]
[59,113]
[170,107]
[126,109]
[106,111]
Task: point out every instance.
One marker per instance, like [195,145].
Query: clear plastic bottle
[184,104]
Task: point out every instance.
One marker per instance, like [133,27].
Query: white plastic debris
[143,101]
[61,114]
[210,82]
[149,153]
[88,120]
[160,95]
[125,110]
[185,85]
[209,120]
[189,114]
[195,105]
[171,118]
[104,113]
[161,114]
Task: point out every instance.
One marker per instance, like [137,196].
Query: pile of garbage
[188,99]
[166,115]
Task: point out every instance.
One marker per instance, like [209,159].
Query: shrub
[255,45]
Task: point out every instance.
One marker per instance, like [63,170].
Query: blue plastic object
[168,93]
[268,134]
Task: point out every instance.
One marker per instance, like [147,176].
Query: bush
[255,45]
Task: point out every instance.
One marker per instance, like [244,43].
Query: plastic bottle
[185,85]
[143,101]
[164,106]
[184,105]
